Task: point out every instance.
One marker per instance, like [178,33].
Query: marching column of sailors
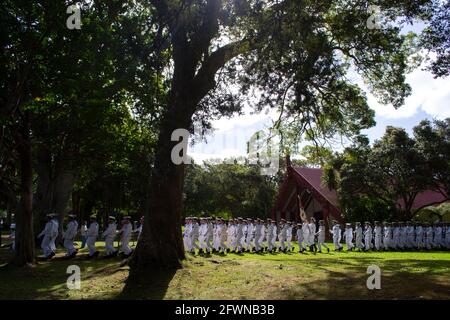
[89,236]
[210,235]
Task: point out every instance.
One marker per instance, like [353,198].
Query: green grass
[405,275]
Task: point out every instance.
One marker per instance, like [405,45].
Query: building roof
[426,198]
[314,177]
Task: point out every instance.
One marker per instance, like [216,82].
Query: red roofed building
[303,187]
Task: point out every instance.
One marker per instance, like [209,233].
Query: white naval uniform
[47,233]
[395,238]
[239,236]
[300,238]
[387,235]
[368,238]
[289,237]
[410,233]
[125,237]
[262,236]
[273,237]
[321,238]
[437,240]
[306,233]
[92,234]
[336,232]
[244,236]
[312,233]
[428,237]
[209,235]
[359,237]
[54,235]
[256,242]
[403,238]
[447,237]
[348,235]
[109,235]
[216,237]
[378,236]
[186,236]
[231,238]
[202,232]
[282,237]
[223,237]
[69,236]
[419,237]
[195,230]
[250,235]
[269,235]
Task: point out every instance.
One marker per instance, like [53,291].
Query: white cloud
[428,94]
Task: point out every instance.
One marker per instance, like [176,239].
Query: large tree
[228,190]
[401,167]
[297,53]
[433,141]
[60,88]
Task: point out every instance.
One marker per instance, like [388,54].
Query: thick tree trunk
[25,251]
[54,188]
[76,202]
[10,210]
[161,245]
[42,196]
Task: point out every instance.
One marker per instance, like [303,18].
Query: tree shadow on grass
[400,279]
[47,280]
[152,286]
[397,286]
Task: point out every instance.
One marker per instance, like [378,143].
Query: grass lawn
[405,275]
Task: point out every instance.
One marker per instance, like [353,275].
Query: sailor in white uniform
[378,235]
[359,236]
[209,234]
[321,236]
[367,237]
[110,235]
[69,236]
[282,235]
[92,234]
[223,234]
[125,236]
[348,235]
[250,235]
[387,235]
[336,232]
[48,234]
[202,232]
[289,236]
[419,236]
[300,238]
